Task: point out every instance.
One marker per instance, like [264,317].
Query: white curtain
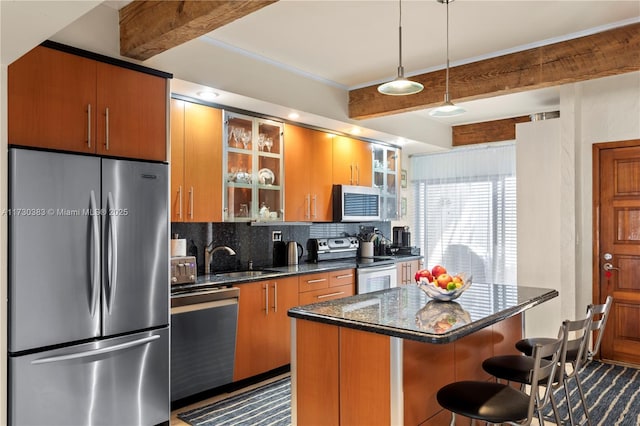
[465,211]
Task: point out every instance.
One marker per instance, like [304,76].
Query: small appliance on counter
[183,270]
[294,252]
[401,236]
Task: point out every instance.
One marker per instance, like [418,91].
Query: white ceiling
[342,45]
[355,43]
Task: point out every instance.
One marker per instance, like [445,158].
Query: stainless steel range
[373,273]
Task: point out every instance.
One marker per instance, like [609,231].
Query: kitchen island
[379,358]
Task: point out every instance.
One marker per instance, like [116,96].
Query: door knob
[609,267]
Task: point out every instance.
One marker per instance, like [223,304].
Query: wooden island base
[345,376]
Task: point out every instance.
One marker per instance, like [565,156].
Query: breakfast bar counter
[379,358]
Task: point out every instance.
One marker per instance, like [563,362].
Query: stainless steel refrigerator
[88,290]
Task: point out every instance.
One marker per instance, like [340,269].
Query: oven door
[374,278]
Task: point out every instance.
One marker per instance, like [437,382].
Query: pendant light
[400,86]
[447,109]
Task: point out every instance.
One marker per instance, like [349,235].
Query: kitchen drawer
[325,294]
[310,282]
[342,277]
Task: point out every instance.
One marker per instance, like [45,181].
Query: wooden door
[617,243]
[203,163]
[363,161]
[252,336]
[297,173]
[132,113]
[343,164]
[178,212]
[283,296]
[52,101]
[321,179]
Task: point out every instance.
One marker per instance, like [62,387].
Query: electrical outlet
[276,236]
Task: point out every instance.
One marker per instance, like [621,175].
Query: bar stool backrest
[600,315]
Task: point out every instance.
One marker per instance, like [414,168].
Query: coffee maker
[401,236]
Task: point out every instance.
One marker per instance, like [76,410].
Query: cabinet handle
[344,276]
[180,201]
[351,174]
[89,126]
[106,126]
[191,202]
[266,299]
[357,173]
[315,206]
[275,297]
[316,281]
[307,212]
[330,294]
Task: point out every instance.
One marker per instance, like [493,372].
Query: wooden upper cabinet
[196,162]
[176,142]
[58,100]
[131,113]
[296,173]
[52,101]
[351,162]
[308,180]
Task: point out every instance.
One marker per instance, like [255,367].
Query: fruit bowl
[441,294]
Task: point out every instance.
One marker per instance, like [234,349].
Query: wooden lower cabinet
[264,329]
[407,271]
[325,286]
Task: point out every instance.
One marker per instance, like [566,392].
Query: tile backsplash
[254,243]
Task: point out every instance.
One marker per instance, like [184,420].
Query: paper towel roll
[366,249]
[179,247]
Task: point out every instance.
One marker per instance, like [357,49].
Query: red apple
[424,273]
[444,280]
[438,270]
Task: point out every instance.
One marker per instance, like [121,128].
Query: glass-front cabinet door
[386,177]
[253,166]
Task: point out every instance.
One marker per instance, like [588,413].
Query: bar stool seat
[490,401]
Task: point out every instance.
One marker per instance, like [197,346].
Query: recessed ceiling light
[294,115]
[207,95]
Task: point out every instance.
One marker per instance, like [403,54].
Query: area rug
[266,405]
[612,393]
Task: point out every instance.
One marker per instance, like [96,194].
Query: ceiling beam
[151,27]
[611,52]
[487,131]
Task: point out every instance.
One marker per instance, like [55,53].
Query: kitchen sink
[243,274]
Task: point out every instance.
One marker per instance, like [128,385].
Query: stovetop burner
[364,262]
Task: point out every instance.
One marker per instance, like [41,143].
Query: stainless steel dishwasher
[203,339]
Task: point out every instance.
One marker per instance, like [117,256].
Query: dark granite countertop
[408,313]
[217,279]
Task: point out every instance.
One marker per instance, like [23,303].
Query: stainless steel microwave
[355,203]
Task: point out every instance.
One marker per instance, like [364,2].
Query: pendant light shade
[447,109]
[400,86]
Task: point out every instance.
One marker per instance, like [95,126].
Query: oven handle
[381,268]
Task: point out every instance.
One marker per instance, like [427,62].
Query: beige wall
[555,192]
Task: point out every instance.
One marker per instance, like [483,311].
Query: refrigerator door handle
[95,255]
[112,252]
[94,352]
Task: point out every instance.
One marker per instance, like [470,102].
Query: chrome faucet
[208,254]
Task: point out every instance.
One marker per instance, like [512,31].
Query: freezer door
[135,263]
[54,243]
[119,381]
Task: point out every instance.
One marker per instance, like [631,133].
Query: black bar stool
[500,403]
[513,368]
